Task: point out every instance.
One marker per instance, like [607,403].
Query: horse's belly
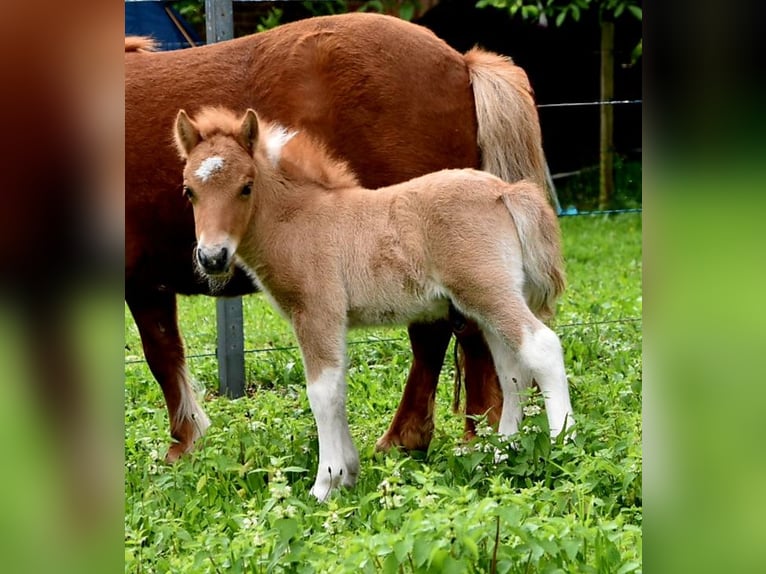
[398,312]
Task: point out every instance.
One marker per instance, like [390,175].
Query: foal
[331,255]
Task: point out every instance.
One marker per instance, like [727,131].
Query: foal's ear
[186,134]
[248,131]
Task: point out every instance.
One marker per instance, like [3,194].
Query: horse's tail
[140,44]
[509,134]
[538,229]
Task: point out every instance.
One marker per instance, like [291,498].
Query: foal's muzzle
[214,260]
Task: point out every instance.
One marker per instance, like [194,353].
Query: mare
[330,255]
[385,95]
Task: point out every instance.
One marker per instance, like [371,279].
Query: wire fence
[376,340]
[596,103]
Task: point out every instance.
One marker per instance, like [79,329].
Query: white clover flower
[483,430]
[249,522]
[331,523]
[391,500]
[461,450]
[532,410]
[280,491]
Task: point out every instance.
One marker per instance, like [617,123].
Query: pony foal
[331,255]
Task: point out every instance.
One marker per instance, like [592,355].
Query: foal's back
[389,248]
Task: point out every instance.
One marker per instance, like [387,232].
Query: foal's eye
[188,193]
[247,189]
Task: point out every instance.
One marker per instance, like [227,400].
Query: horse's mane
[305,158]
[297,154]
[214,120]
[140,44]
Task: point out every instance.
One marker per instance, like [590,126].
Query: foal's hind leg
[513,381]
[413,423]
[156,318]
[531,353]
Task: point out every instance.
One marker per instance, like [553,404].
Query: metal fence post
[219,20]
[231,347]
[219,25]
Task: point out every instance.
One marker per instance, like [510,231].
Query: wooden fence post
[219,25]
[606,155]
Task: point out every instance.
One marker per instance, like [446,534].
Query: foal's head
[222,158]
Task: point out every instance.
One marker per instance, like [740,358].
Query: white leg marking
[189,408]
[541,353]
[338,458]
[513,381]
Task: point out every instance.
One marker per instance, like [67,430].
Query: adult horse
[387,96]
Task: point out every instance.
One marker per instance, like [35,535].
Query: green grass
[578,190]
[240,503]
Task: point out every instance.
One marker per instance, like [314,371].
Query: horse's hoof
[176,451]
[385,443]
[407,442]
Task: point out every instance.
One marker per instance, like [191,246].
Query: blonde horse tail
[538,229]
[509,135]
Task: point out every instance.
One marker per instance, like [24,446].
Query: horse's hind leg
[155,315]
[541,353]
[413,423]
[513,381]
[532,352]
[483,395]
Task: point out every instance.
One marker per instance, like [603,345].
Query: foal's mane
[296,154]
[140,44]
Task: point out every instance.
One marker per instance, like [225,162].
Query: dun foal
[331,255]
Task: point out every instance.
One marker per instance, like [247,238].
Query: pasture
[241,502]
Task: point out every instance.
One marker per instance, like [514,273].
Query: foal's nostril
[214,262]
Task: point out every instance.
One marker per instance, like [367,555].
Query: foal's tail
[509,134]
[538,230]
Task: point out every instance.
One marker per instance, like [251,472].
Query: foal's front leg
[322,343]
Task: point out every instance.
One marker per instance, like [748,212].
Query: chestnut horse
[330,254]
[353,80]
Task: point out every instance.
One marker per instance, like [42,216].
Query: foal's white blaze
[278,137]
[541,352]
[208,167]
[338,458]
